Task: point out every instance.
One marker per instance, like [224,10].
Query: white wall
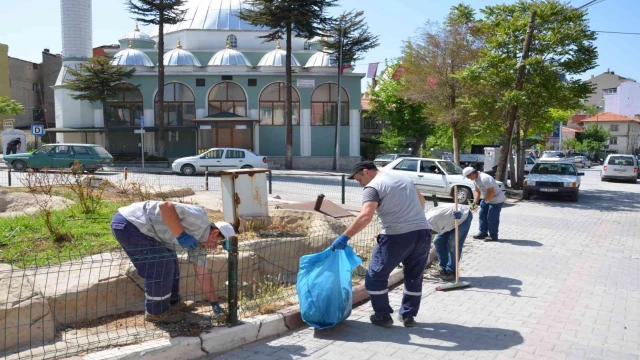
[626,101]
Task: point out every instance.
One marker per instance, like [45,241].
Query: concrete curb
[223,339]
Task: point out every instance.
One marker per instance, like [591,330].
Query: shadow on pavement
[530,243]
[602,200]
[462,338]
[496,283]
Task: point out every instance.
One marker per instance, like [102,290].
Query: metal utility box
[491,157]
[244,193]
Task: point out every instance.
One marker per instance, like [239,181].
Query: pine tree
[160,13]
[304,18]
[99,81]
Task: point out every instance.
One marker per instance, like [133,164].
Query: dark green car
[80,157]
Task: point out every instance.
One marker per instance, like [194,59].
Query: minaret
[77,47]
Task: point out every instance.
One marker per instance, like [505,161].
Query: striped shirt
[147,218]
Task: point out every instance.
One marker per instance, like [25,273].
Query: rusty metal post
[319,201]
[232,270]
[125,173]
[435,200]
[206,179]
[270,182]
[9,175]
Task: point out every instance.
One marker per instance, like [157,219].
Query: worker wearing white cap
[490,198]
[150,233]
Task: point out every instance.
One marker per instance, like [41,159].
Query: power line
[616,32]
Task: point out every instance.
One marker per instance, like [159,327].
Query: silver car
[581,162]
[620,167]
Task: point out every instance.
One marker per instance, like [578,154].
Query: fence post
[206,180]
[435,200]
[232,269]
[270,183]
[125,173]
[344,178]
[9,175]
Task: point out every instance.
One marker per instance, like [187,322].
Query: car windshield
[552,154]
[101,151]
[621,160]
[553,169]
[386,157]
[44,149]
[450,168]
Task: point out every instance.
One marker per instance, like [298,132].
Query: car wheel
[19,165]
[188,170]
[246,167]
[464,194]
[526,195]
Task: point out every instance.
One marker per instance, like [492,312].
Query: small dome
[277,57]
[322,58]
[131,57]
[180,57]
[137,35]
[229,57]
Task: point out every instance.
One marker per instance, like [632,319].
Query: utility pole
[513,112]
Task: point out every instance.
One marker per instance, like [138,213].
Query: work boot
[383,321]
[407,321]
[490,239]
[445,275]
[183,306]
[480,236]
[170,316]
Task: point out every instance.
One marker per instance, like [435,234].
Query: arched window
[307,45]
[227,97]
[125,109]
[179,104]
[324,106]
[272,105]
[232,40]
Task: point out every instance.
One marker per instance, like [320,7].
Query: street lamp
[598,107]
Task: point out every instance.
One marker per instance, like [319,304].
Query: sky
[28,27]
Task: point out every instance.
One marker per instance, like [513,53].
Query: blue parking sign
[37,130]
[141,122]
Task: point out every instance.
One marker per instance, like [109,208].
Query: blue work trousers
[490,219]
[156,264]
[412,250]
[446,246]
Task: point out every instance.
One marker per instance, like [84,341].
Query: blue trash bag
[324,286]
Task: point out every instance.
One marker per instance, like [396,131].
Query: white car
[218,159]
[620,167]
[546,178]
[435,176]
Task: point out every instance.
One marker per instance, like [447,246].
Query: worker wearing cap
[405,238]
[13,146]
[490,198]
[150,233]
[442,220]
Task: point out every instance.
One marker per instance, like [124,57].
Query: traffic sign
[141,122]
[37,130]
[7,124]
[140,131]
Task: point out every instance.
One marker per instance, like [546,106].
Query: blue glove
[187,241]
[482,203]
[340,243]
[216,308]
[225,244]
[458,215]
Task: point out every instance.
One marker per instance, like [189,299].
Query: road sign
[37,130]
[139,131]
[557,125]
[141,122]
[7,124]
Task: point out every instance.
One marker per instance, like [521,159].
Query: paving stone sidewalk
[564,283]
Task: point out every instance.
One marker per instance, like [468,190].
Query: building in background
[625,100]
[625,131]
[604,84]
[5,84]
[371,130]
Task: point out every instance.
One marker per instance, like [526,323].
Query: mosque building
[224,87]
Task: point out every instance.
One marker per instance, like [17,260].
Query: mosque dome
[180,57]
[277,57]
[229,57]
[137,35]
[322,59]
[131,57]
[213,15]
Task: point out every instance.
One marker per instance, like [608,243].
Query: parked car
[552,156]
[218,159]
[561,179]
[435,176]
[582,162]
[620,167]
[80,157]
[384,159]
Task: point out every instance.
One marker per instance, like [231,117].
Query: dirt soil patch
[23,203]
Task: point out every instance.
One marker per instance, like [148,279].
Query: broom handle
[455,199]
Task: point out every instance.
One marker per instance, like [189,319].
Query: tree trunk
[456,144]
[512,170]
[417,150]
[161,151]
[288,160]
[106,125]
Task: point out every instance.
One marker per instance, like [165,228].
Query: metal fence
[77,303]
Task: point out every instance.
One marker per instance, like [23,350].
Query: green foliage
[570,144]
[596,134]
[155,12]
[98,80]
[356,38]
[10,107]
[392,140]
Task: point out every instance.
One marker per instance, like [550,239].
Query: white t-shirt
[442,218]
[484,182]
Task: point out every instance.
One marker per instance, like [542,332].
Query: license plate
[549,190]
[620,170]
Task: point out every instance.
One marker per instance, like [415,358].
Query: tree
[562,46]
[160,13]
[392,140]
[304,18]
[433,61]
[99,81]
[594,138]
[403,117]
[353,41]
[10,107]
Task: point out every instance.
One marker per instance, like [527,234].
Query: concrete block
[224,339]
[25,317]
[174,348]
[270,325]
